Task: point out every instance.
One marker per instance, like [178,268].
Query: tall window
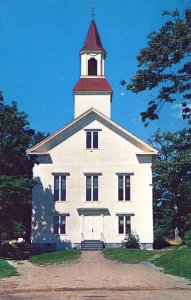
[124,187]
[59,188]
[59,224]
[92,66]
[92,188]
[92,139]
[124,224]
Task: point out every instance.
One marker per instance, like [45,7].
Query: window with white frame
[92,187]
[59,224]
[92,139]
[60,186]
[124,224]
[124,187]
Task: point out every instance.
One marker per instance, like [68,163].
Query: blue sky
[39,57]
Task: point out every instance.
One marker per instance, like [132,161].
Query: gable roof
[92,84]
[93,41]
[56,138]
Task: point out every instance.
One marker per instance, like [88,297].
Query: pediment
[80,123]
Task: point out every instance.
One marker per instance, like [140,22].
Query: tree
[172,182]
[165,67]
[16,171]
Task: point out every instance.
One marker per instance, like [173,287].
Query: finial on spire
[93,12]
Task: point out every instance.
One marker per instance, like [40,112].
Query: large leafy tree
[172,182]
[164,66]
[15,171]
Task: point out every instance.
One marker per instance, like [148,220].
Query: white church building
[94,178]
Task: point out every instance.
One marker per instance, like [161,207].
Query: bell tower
[92,90]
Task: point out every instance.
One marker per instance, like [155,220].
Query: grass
[6,270]
[55,257]
[174,260]
[131,256]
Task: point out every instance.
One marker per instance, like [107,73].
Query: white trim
[90,76]
[92,93]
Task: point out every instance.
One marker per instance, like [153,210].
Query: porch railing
[82,237]
[103,240]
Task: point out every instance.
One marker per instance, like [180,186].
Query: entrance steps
[92,245]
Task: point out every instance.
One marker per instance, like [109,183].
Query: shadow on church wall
[43,210]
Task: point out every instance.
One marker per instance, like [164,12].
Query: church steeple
[92,54]
[93,41]
[92,90]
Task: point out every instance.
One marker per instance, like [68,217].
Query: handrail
[82,237]
[103,240]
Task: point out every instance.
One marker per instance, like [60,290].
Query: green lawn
[131,256]
[174,260]
[55,257]
[6,270]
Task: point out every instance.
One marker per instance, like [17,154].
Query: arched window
[92,66]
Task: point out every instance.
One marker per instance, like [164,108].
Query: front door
[92,227]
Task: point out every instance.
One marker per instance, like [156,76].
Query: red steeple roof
[92,84]
[93,41]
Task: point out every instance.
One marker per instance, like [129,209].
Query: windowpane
[120,187]
[95,139]
[62,225]
[95,188]
[127,224]
[55,224]
[88,139]
[88,188]
[127,187]
[56,188]
[63,188]
[121,224]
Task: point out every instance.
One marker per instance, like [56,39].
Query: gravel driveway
[93,277]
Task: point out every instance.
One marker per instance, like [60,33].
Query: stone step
[92,245]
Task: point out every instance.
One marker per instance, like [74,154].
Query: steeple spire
[93,41]
[92,89]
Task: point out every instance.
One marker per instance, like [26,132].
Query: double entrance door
[93,227]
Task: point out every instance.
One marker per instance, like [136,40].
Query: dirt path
[93,277]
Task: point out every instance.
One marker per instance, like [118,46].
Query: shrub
[187,238]
[131,241]
[160,242]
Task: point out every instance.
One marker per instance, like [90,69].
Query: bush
[187,238]
[160,243]
[131,241]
